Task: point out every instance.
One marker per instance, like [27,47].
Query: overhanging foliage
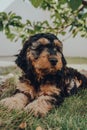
[64,14]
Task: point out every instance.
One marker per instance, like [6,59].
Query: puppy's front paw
[18,101]
[40,106]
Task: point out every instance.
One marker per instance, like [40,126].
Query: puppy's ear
[21,58]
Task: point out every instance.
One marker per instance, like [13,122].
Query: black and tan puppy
[46,79]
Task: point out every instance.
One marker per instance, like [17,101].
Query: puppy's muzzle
[53,61]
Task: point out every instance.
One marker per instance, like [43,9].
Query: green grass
[76,60]
[71,115]
[7,70]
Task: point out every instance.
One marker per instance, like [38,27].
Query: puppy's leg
[47,98]
[18,101]
[40,106]
[25,93]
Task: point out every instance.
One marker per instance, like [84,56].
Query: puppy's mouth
[52,70]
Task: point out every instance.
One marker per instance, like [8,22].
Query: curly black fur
[21,59]
[25,65]
[66,79]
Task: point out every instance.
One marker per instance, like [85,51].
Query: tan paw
[18,101]
[40,106]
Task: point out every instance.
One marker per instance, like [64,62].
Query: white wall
[72,46]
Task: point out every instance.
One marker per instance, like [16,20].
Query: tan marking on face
[43,41]
[59,64]
[42,65]
[42,61]
[58,43]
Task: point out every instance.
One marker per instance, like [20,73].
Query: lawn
[71,115]
[76,60]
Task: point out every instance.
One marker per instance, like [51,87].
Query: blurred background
[72,47]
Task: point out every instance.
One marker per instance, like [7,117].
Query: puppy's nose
[53,61]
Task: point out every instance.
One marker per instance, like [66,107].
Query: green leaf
[3,16]
[45,23]
[28,22]
[7,29]
[36,3]
[17,17]
[63,33]
[1,26]
[37,27]
[62,1]
[16,23]
[74,4]
[14,16]
[11,36]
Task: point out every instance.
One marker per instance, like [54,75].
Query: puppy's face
[45,56]
[41,55]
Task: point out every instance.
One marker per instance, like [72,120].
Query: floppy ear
[21,58]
